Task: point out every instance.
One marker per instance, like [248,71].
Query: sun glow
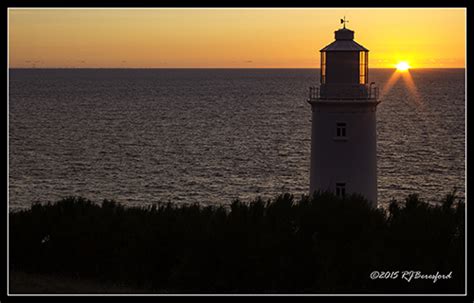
[402,66]
[404,74]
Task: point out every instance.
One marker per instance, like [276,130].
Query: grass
[33,283]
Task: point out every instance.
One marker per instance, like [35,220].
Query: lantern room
[344,67]
[344,61]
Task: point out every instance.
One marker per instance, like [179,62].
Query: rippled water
[210,136]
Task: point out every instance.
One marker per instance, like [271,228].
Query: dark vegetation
[319,244]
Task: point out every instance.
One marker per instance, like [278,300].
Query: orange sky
[241,38]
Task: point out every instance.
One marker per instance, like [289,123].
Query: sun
[402,66]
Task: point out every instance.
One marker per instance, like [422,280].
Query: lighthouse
[343,124]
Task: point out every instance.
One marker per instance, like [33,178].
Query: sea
[210,136]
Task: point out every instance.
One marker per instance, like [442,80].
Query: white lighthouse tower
[343,130]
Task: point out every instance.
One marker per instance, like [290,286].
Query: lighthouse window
[340,129]
[323,67]
[340,189]
[363,67]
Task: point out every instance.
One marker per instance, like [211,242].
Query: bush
[317,244]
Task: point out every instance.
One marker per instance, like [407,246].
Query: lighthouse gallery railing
[349,92]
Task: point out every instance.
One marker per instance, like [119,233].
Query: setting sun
[402,66]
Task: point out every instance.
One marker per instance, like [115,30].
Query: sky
[230,38]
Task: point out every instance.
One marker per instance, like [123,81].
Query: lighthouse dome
[344,34]
[344,42]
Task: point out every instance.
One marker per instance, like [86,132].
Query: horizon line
[107,67]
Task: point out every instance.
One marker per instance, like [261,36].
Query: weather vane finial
[344,21]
